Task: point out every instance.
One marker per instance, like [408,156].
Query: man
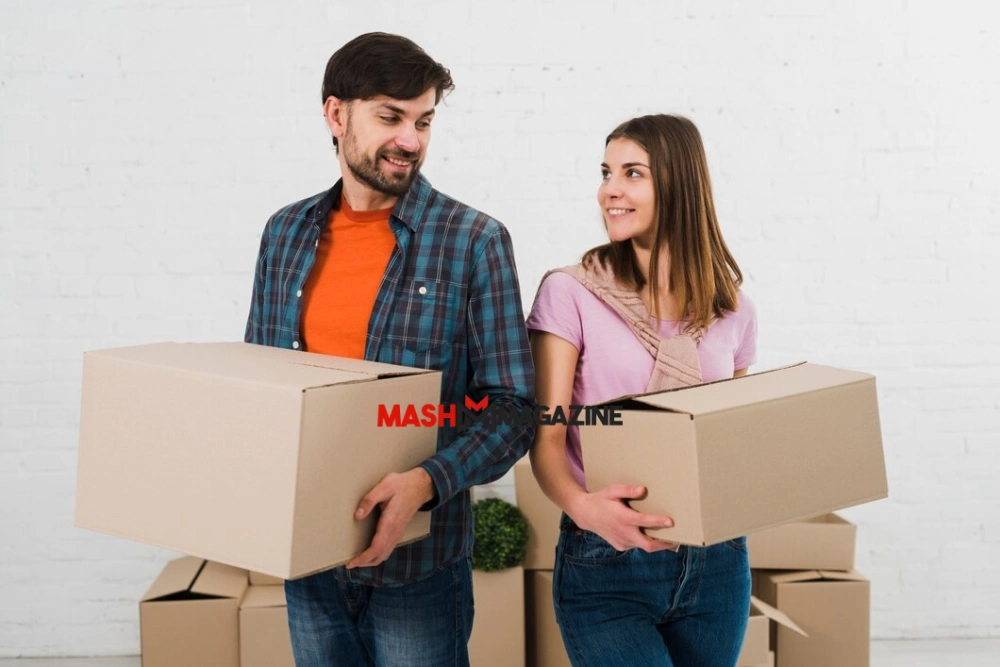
[384,267]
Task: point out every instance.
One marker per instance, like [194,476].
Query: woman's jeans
[346,624]
[666,609]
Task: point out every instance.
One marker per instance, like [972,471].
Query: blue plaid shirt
[449,300]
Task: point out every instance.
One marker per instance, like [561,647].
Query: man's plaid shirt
[449,300]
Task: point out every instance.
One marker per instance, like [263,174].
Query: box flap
[236,362]
[644,398]
[842,576]
[221,580]
[751,389]
[245,362]
[776,615]
[176,577]
[375,369]
[259,597]
[795,576]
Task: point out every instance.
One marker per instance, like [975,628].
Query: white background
[853,147]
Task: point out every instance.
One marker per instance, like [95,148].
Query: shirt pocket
[423,327]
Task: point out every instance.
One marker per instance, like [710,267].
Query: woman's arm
[604,511]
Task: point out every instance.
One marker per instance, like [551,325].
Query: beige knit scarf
[676,362]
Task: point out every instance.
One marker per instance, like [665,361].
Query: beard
[368,169]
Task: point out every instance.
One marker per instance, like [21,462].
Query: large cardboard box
[189,616]
[542,515]
[498,631]
[832,608]
[264,637]
[728,458]
[544,641]
[243,454]
[824,542]
[757,640]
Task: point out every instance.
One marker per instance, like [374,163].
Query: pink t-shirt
[613,362]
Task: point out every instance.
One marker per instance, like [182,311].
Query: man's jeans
[665,609]
[426,624]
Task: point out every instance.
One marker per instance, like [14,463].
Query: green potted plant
[501,535]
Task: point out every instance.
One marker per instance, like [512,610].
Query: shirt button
[295,345]
[317,244]
[422,290]
[299,294]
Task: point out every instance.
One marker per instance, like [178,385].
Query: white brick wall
[143,145]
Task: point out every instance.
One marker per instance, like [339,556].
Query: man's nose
[407,139]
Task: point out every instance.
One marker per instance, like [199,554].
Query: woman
[656,307]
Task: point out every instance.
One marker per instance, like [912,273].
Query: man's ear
[335,110]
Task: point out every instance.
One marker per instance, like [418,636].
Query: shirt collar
[408,210]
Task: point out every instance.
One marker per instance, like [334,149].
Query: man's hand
[400,495]
[604,512]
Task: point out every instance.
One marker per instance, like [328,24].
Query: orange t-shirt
[353,252]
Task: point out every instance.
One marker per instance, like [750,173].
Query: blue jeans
[345,624]
[664,609]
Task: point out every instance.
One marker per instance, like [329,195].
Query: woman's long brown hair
[704,276]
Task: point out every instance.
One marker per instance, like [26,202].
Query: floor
[924,653]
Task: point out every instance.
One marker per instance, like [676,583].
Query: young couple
[384,267]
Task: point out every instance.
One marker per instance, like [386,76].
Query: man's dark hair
[378,63]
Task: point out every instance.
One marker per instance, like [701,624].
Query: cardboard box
[264,637]
[243,454]
[831,607]
[498,631]
[544,641]
[728,458]
[543,518]
[189,616]
[824,542]
[769,662]
[757,640]
[260,579]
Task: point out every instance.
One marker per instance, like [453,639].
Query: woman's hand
[604,512]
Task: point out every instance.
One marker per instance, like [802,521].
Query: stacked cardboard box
[786,603]
[264,637]
[498,631]
[200,613]
[543,641]
[190,615]
[806,570]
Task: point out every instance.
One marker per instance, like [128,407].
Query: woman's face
[626,195]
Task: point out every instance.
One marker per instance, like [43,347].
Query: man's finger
[381,545]
[360,560]
[373,555]
[372,499]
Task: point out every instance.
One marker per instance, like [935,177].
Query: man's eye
[424,125]
[388,119]
[605,175]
